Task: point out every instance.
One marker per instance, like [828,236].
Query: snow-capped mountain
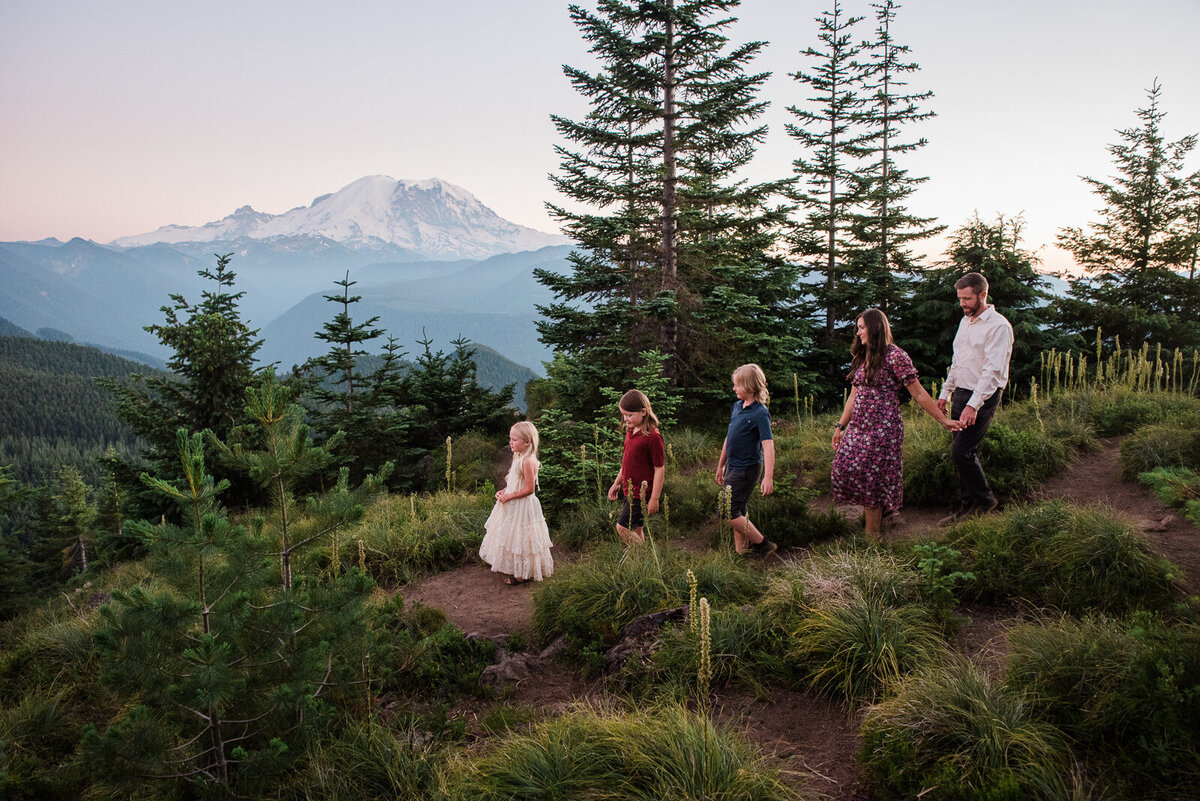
[433,218]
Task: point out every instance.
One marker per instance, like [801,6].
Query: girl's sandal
[513,581]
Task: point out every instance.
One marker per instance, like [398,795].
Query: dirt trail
[814,739]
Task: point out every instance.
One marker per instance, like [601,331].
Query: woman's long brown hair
[870,356]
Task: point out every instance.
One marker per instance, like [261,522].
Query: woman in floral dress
[868,440]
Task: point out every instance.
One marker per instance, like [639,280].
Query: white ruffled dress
[517,539]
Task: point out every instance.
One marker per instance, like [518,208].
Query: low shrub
[670,752]
[1156,446]
[592,600]
[1078,559]
[1128,691]
[1016,460]
[949,735]
[419,653]
[1123,411]
[405,535]
[1178,487]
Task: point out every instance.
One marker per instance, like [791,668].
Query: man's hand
[942,404]
[967,416]
[768,486]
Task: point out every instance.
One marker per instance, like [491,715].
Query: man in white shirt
[977,377]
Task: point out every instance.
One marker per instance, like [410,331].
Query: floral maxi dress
[868,468]
[517,539]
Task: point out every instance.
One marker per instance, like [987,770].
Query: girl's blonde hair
[636,401]
[528,432]
[754,379]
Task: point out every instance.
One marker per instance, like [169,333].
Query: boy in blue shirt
[748,452]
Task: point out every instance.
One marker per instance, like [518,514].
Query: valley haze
[428,257]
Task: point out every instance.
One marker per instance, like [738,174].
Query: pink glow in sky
[119,117]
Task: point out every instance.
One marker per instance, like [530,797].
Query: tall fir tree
[340,366]
[212,364]
[885,228]
[370,410]
[671,244]
[1135,254]
[832,134]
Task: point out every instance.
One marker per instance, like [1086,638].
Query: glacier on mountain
[433,218]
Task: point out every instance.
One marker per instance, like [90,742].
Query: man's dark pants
[965,450]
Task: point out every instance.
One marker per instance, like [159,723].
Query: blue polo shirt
[749,426]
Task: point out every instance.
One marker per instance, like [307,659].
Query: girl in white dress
[517,539]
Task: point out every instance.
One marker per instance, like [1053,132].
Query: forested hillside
[55,414]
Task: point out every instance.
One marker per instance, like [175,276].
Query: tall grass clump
[407,535]
[836,574]
[589,522]
[1078,559]
[646,755]
[1157,446]
[851,621]
[366,759]
[592,600]
[949,734]
[420,654]
[689,448]
[746,649]
[786,517]
[862,647]
[1127,690]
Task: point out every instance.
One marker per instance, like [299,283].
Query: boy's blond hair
[752,377]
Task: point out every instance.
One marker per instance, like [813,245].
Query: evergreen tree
[1134,289]
[275,450]
[211,366]
[223,671]
[71,526]
[932,315]
[339,366]
[831,131]
[671,244]
[370,411]
[885,228]
[15,568]
[448,399]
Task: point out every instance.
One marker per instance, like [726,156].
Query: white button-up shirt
[982,349]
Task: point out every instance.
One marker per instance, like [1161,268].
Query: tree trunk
[670,276]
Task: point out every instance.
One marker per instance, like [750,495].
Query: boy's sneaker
[764,548]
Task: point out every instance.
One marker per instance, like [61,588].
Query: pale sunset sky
[119,116]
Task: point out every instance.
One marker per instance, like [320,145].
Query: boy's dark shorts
[741,480]
[631,514]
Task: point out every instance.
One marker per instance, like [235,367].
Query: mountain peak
[431,216]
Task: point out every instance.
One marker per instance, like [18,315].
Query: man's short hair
[975,281]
